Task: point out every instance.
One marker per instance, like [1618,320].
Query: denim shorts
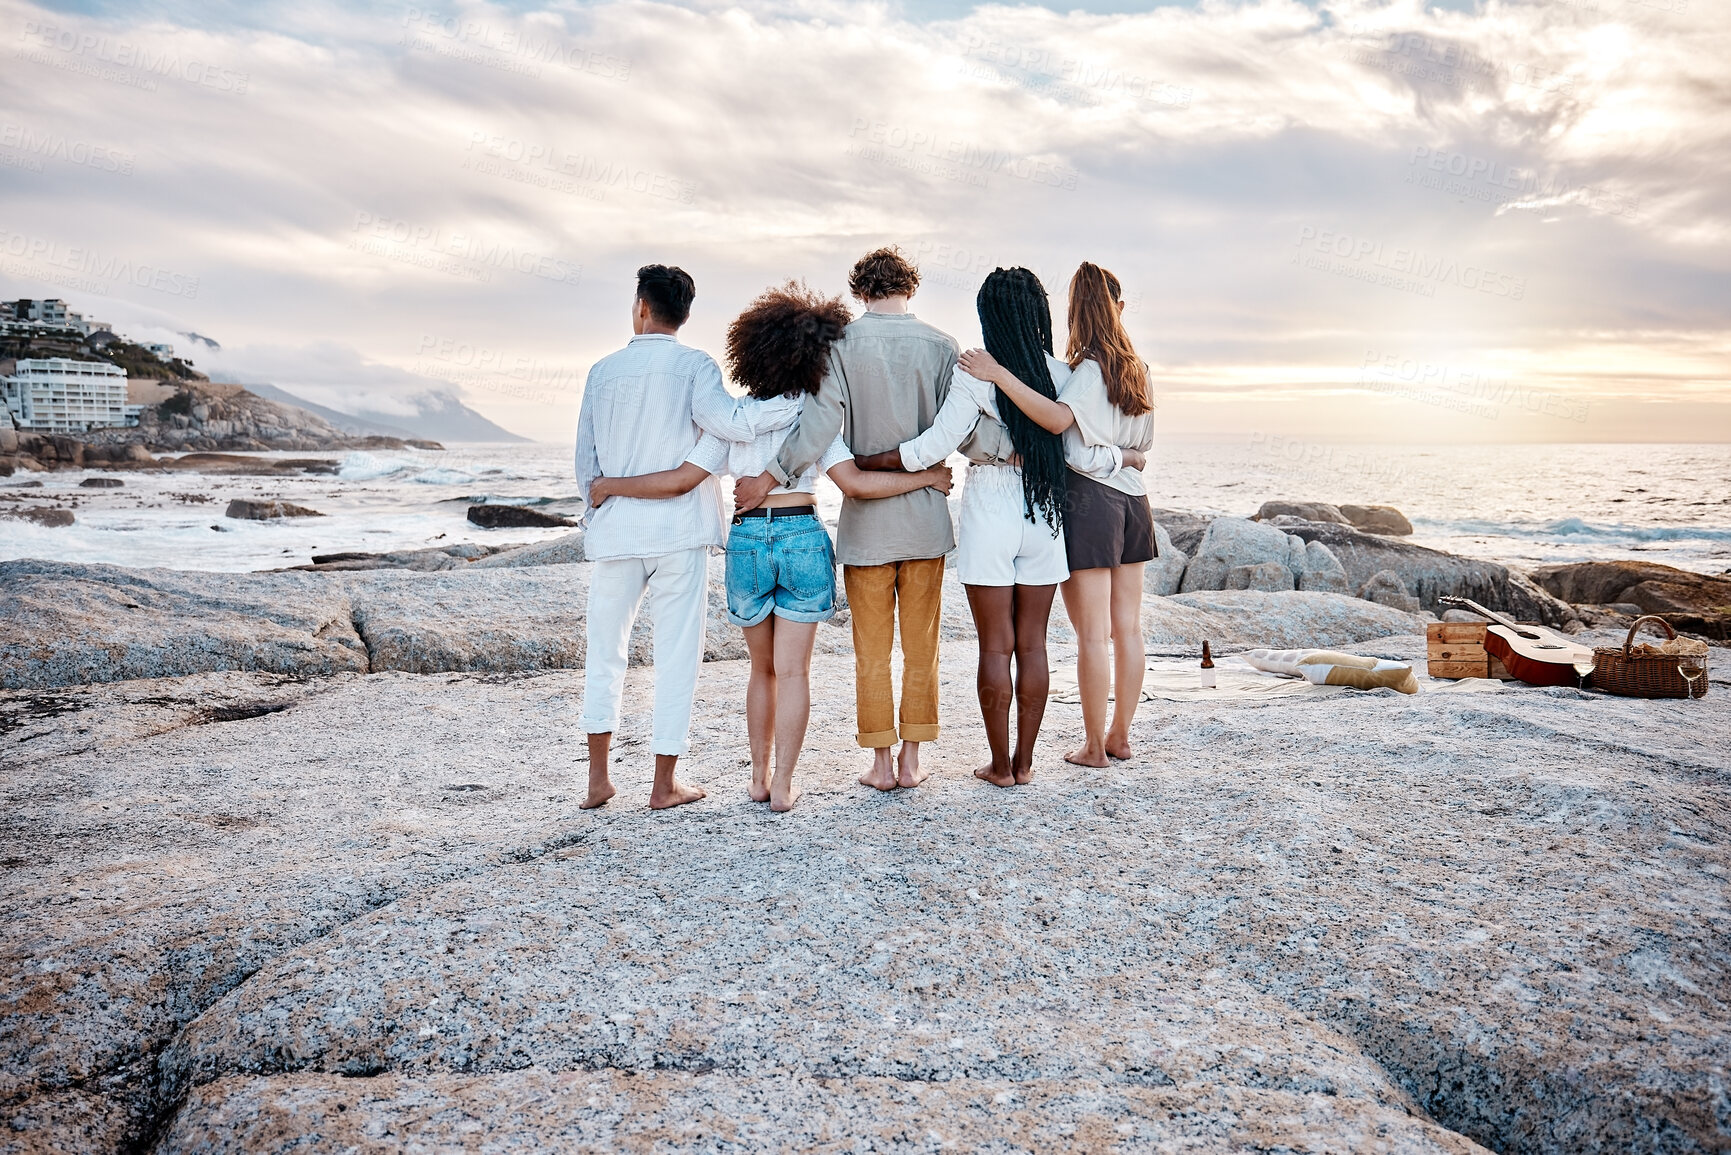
[780,565]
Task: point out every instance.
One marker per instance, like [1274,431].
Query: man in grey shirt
[887,379]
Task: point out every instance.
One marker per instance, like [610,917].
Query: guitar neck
[1491,614]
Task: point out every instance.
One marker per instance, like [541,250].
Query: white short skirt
[997,544]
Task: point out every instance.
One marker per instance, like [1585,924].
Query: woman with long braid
[1010,554]
[1109,530]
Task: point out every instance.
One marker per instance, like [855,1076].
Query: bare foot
[758,791]
[1086,757]
[782,798]
[1119,747]
[882,775]
[908,772]
[597,796]
[1024,774]
[989,773]
[676,794]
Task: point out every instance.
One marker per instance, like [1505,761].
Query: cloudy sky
[1352,221]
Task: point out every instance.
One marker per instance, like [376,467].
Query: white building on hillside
[27,315]
[57,395]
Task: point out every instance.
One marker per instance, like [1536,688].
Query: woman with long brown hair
[1108,527]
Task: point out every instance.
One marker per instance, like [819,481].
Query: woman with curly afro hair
[780,561]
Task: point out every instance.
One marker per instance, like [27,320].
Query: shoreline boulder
[50,517]
[1166,572]
[1428,574]
[515,517]
[1697,603]
[1386,589]
[1377,519]
[1307,510]
[248,510]
[1234,553]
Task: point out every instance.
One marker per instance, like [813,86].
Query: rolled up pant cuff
[877,739]
[913,733]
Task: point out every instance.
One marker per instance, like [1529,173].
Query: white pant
[996,544]
[678,585]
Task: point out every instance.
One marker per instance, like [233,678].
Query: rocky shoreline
[197,418]
[511,609]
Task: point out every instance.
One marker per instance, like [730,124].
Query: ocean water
[1520,505]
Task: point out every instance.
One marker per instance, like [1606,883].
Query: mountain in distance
[439,417]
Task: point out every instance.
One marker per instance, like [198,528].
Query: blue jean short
[783,565]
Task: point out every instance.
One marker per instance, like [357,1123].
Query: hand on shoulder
[980,364]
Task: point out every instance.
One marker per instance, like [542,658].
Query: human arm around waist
[706,458]
[869,484]
[1097,461]
[963,405]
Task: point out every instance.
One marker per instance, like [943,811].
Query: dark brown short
[1105,527]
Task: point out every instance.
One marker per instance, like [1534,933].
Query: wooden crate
[1457,650]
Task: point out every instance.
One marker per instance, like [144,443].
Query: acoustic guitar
[1533,654]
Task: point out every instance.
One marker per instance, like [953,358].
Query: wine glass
[1691,672]
[1583,663]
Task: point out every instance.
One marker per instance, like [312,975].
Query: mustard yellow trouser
[874,594]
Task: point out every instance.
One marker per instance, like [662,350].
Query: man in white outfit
[636,418]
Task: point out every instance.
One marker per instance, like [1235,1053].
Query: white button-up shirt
[637,418]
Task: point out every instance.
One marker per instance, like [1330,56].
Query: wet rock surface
[251,510]
[50,516]
[246,913]
[514,516]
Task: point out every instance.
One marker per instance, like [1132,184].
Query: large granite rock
[1231,542]
[1247,619]
[565,550]
[1698,603]
[247,509]
[1185,529]
[1428,574]
[1386,588]
[368,915]
[1268,576]
[1165,574]
[1234,553]
[1377,519]
[69,624]
[1323,572]
[1304,510]
[515,517]
[47,516]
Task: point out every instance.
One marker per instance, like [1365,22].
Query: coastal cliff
[187,416]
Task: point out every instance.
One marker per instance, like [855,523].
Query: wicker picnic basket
[1676,668]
